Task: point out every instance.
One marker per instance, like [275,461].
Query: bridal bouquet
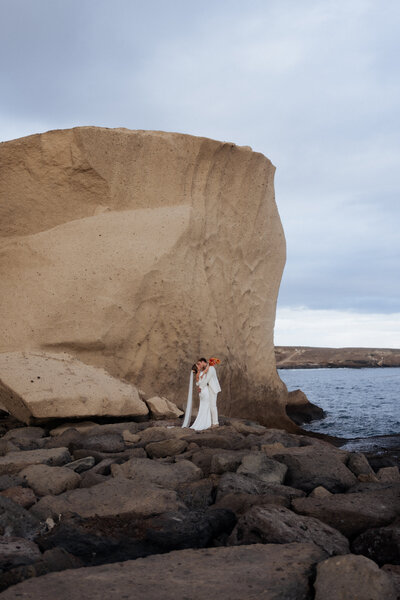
[214,361]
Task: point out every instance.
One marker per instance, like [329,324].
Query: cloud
[312,85]
[333,328]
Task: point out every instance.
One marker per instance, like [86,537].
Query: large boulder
[115,497]
[278,525]
[41,385]
[98,540]
[129,230]
[276,571]
[352,513]
[312,466]
[352,577]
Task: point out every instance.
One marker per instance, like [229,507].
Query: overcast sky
[314,85]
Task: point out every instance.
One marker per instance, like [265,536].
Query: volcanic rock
[258,466]
[388,474]
[114,497]
[16,521]
[359,465]
[235,483]
[381,545]
[225,573]
[312,466]
[24,496]
[45,480]
[166,448]
[197,494]
[301,410]
[352,513]
[151,472]
[274,525]
[349,577]
[16,461]
[15,551]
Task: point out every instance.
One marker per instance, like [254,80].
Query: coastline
[308,357]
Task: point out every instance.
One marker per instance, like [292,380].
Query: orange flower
[214,361]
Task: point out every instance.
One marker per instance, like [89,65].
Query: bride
[203,419]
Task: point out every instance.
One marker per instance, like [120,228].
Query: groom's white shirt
[212,380]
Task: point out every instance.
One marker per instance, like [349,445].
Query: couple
[208,384]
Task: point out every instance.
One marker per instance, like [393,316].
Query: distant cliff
[305,357]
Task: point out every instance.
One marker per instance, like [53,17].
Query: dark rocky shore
[306,357]
[150,510]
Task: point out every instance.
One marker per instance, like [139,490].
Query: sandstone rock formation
[39,385]
[137,251]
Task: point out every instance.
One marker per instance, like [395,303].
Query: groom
[213,388]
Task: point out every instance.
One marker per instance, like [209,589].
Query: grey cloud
[314,86]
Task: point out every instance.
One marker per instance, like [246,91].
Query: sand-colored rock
[162,408]
[14,462]
[136,251]
[42,385]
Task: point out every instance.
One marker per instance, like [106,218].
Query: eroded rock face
[135,251]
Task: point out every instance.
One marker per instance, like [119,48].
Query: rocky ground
[150,510]
[305,357]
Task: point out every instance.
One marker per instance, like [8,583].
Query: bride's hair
[195,369]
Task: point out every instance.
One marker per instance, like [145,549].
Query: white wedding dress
[203,419]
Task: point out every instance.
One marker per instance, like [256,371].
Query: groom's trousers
[213,407]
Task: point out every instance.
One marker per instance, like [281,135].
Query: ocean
[359,403]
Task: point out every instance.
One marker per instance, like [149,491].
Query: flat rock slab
[40,385]
[352,513]
[148,472]
[352,577]
[267,572]
[14,462]
[117,496]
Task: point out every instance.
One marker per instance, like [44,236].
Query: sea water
[357,402]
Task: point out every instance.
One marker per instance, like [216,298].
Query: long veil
[188,411]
